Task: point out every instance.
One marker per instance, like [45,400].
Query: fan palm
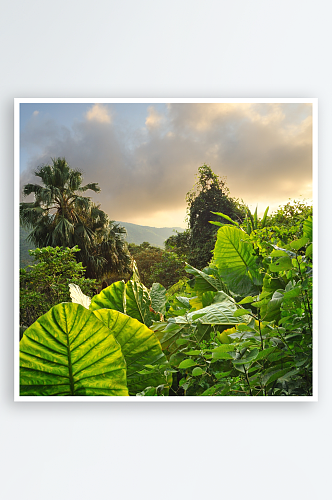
[61,216]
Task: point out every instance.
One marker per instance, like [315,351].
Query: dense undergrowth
[242,326]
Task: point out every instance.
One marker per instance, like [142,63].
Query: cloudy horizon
[145,156]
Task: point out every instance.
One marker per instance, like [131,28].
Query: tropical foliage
[61,216]
[45,283]
[239,326]
[157,265]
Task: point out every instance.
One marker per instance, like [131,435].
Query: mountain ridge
[136,233]
[156,236]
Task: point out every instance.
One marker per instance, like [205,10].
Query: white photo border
[168,399]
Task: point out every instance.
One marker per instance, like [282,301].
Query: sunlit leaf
[140,347]
[69,352]
[235,259]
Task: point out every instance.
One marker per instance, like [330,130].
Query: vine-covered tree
[61,216]
[209,194]
[179,243]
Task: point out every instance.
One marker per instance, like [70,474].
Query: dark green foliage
[268,350]
[169,270]
[61,216]
[209,194]
[157,265]
[45,283]
[180,244]
[145,256]
[25,246]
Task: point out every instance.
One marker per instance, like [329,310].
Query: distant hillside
[25,246]
[154,235]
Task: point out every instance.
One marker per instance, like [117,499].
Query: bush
[45,283]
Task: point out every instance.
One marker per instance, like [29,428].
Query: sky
[145,156]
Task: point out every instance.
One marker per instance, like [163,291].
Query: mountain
[156,236]
[25,246]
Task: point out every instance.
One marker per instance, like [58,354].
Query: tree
[169,271]
[61,216]
[179,243]
[210,194]
[145,256]
[45,284]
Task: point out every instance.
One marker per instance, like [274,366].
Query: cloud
[35,113]
[264,150]
[154,119]
[98,113]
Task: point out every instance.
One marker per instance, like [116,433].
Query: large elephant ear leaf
[206,280]
[235,259]
[307,228]
[158,298]
[112,297]
[138,302]
[69,352]
[139,346]
[220,312]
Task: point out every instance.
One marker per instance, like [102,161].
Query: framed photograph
[166,248]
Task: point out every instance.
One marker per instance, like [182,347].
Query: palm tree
[61,216]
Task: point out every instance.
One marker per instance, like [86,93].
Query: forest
[224,309]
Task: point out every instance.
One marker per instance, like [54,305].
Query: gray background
[164,49]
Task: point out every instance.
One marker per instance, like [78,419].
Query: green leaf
[247,358]
[224,348]
[169,334]
[282,264]
[241,312]
[183,301]
[138,302]
[176,359]
[292,294]
[255,218]
[278,253]
[208,298]
[220,375]
[297,244]
[69,352]
[197,371]
[265,353]
[263,221]
[308,252]
[111,297]
[132,299]
[307,228]
[158,298]
[221,355]
[225,217]
[182,341]
[273,375]
[247,300]
[235,259]
[140,347]
[220,313]
[206,280]
[187,363]
[216,223]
